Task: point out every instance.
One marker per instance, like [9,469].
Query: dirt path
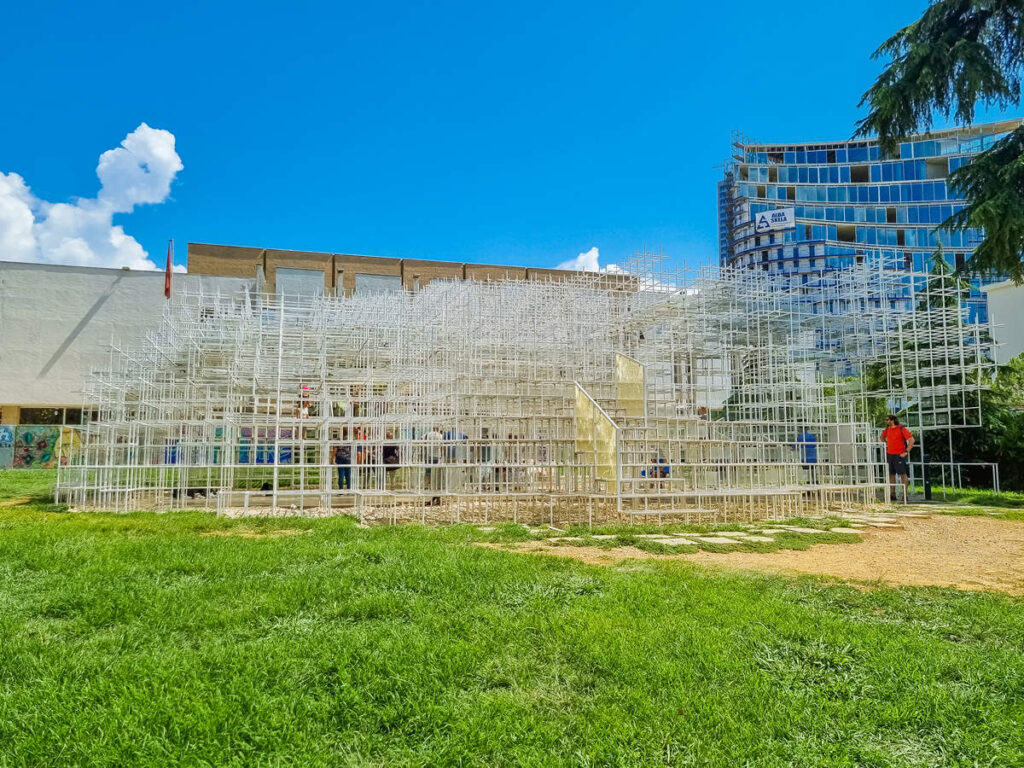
[977,553]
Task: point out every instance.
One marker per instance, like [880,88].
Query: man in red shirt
[898,442]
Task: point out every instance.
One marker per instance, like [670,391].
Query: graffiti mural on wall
[6,445]
[35,447]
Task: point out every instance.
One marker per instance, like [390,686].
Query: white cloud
[587,261]
[82,232]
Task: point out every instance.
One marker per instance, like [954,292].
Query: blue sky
[519,133]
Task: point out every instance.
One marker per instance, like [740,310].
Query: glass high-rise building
[801,209]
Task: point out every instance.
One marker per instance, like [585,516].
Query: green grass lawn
[975,497]
[131,640]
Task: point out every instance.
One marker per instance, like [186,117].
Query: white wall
[1006,319]
[57,323]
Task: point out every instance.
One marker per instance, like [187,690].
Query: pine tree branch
[958,54]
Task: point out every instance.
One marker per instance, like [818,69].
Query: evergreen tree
[958,54]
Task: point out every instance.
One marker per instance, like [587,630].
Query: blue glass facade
[851,204]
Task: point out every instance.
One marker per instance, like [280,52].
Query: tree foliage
[1001,438]
[993,187]
[959,54]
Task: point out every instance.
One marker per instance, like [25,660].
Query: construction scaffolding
[648,394]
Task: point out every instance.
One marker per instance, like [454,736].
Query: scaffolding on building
[652,393]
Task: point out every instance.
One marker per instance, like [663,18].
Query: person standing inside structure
[434,441]
[343,460]
[390,458]
[898,442]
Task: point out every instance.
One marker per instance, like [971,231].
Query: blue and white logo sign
[6,445]
[772,221]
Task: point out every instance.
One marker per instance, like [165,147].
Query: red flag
[167,275]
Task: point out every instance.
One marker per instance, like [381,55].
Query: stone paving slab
[798,529]
[717,540]
[844,530]
[604,536]
[765,539]
[673,542]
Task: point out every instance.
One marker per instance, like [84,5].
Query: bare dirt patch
[975,553]
[244,534]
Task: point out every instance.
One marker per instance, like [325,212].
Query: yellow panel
[596,439]
[629,380]
[70,445]
[607,448]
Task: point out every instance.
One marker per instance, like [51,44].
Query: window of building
[368,283]
[860,174]
[299,282]
[936,167]
[43,416]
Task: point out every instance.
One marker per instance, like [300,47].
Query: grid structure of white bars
[653,392]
